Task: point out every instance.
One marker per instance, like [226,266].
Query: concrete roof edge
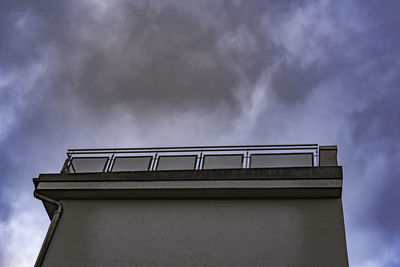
[331,172]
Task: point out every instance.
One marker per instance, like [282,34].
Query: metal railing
[152,159]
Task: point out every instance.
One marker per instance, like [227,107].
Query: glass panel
[281,160]
[176,162]
[222,161]
[131,164]
[95,164]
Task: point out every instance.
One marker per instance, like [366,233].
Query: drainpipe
[52,227]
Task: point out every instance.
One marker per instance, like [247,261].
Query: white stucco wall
[199,232]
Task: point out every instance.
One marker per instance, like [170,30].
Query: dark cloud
[75,64]
[161,58]
[375,136]
[374,125]
[295,83]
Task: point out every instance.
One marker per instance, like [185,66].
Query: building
[195,206]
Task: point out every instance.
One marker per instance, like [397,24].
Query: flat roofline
[316,188]
[328,172]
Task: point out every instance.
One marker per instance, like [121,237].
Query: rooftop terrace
[256,171]
[198,158]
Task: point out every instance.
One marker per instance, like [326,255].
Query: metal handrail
[194,148]
[200,150]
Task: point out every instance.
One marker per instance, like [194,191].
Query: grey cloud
[292,82]
[159,60]
[376,133]
[154,60]
[141,60]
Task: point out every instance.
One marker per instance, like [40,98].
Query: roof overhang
[299,182]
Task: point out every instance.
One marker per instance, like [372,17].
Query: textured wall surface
[200,232]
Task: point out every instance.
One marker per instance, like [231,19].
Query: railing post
[199,161]
[65,168]
[328,156]
[153,166]
[246,159]
[110,163]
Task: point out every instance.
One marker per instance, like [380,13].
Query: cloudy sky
[86,74]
